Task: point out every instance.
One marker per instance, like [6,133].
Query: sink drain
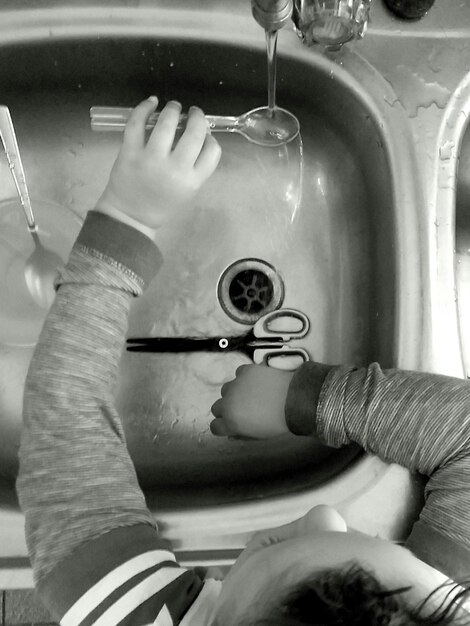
[248,289]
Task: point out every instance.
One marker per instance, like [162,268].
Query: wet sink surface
[330,240]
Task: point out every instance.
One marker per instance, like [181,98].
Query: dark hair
[352,596]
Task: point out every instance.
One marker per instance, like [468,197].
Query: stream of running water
[271,46]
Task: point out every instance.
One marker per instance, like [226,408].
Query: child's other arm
[95,550]
[419,420]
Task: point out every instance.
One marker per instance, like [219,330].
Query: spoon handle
[115,118]
[7,133]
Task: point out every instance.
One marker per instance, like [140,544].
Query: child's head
[352,596]
[314,571]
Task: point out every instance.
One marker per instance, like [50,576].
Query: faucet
[272,15]
[330,23]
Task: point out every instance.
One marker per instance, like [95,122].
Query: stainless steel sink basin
[348,259]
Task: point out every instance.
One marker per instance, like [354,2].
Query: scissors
[267,339]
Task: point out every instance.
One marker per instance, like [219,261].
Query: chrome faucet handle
[330,23]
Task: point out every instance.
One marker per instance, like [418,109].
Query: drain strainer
[248,289]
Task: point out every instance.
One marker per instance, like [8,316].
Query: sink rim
[452,129]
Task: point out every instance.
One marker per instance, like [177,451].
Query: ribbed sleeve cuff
[302,397]
[121,244]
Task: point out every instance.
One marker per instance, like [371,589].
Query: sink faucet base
[330,23]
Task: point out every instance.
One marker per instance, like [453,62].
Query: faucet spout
[272,15]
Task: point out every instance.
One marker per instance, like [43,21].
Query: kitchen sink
[335,225]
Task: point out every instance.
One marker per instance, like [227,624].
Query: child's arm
[95,550]
[421,421]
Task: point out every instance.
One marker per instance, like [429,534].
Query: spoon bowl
[23,308]
[40,271]
[269,127]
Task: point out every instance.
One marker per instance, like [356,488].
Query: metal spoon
[269,127]
[41,267]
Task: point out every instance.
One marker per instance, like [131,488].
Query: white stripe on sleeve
[109,583]
[138,595]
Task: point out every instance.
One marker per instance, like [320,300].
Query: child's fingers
[191,141]
[163,135]
[134,133]
[208,158]
[216,408]
[219,428]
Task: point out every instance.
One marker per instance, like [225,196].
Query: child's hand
[252,405]
[149,181]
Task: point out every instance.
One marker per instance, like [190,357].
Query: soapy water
[248,208]
[256,205]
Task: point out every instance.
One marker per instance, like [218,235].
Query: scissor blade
[175,344]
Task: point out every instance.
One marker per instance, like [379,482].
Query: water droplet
[392,101]
[431,93]
[446,150]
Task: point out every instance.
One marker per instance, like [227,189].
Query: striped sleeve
[422,422]
[96,552]
[126,576]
